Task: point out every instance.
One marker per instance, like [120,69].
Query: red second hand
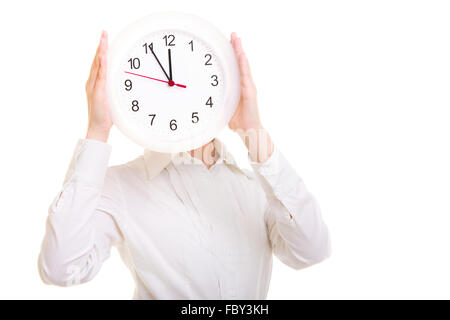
[170,83]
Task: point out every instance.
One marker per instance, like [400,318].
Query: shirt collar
[155,162]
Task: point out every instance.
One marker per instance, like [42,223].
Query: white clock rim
[201,29]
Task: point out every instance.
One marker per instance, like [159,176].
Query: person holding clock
[193,225]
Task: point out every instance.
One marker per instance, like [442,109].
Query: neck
[206,153]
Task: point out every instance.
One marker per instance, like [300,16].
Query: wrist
[255,126]
[247,127]
[258,143]
[98,134]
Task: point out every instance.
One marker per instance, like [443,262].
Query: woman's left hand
[246,116]
[246,121]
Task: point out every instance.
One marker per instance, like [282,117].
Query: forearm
[69,251]
[297,231]
[296,226]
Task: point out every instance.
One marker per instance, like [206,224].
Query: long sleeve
[297,233]
[78,234]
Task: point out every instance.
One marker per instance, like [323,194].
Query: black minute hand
[160,64]
[170,66]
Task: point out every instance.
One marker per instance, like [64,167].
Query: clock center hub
[171,83]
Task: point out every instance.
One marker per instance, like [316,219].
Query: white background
[354,93]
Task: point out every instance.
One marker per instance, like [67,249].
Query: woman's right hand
[100,122]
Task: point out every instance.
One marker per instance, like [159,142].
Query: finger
[94,67]
[237,44]
[244,66]
[233,38]
[93,71]
[101,74]
[93,74]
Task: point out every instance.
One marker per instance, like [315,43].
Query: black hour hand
[162,68]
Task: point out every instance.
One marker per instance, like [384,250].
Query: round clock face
[172,89]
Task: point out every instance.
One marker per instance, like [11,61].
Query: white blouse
[183,230]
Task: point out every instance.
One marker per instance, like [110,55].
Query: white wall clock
[173,82]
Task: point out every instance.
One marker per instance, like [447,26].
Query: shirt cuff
[89,162]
